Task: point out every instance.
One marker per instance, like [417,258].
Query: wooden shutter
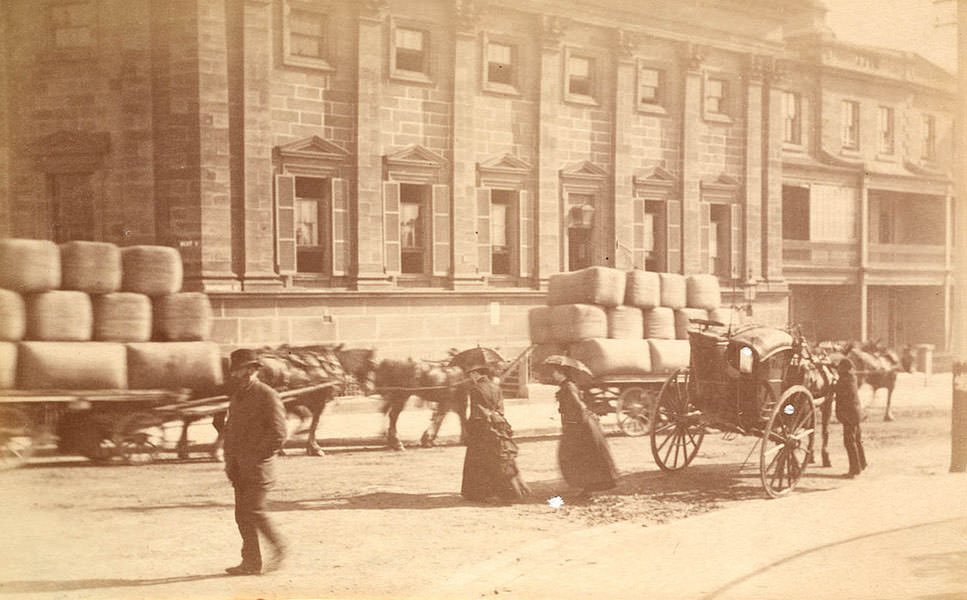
[705,220]
[391,228]
[339,221]
[441,230]
[285,251]
[673,236]
[484,251]
[735,242]
[639,235]
[525,211]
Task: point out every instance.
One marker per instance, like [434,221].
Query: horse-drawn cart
[741,382]
[630,398]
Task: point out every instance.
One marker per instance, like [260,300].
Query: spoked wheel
[140,438]
[677,426]
[785,442]
[16,439]
[633,410]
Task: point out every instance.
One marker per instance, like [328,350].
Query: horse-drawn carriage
[747,381]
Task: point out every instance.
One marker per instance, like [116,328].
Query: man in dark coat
[254,432]
[848,412]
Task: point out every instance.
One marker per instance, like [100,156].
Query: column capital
[758,67]
[372,9]
[552,30]
[694,55]
[625,44]
[466,15]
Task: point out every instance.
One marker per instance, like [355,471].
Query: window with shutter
[525,210]
[285,224]
[340,226]
[441,230]
[484,252]
[391,228]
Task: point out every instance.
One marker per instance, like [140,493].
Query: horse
[295,367]
[446,387]
[876,365]
[815,371]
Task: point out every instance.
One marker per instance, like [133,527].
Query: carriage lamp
[746,359]
[748,293]
[582,216]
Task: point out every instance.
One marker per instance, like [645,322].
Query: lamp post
[748,293]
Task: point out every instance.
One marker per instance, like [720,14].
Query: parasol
[574,368]
[478,357]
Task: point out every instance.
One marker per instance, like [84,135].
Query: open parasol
[574,368]
[478,357]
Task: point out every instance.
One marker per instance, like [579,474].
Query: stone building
[408,173]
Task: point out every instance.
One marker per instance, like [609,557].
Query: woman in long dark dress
[490,465]
[583,453]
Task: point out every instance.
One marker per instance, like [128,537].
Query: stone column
[772,179]
[549,216]
[623,184]
[6,196]
[755,148]
[864,254]
[369,171]
[691,159]
[465,83]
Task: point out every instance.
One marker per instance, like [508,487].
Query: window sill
[411,77]
[718,118]
[652,109]
[305,62]
[581,100]
[501,89]
[792,147]
[850,152]
[886,157]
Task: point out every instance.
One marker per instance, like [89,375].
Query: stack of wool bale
[92,315]
[624,324]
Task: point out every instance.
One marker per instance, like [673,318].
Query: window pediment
[503,171]
[314,148]
[585,170]
[720,183]
[414,164]
[655,176]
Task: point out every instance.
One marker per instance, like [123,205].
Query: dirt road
[363,524]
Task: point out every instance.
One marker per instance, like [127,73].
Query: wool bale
[668,355]
[60,315]
[727,315]
[625,322]
[702,291]
[659,323]
[576,322]
[673,290]
[151,270]
[8,365]
[175,365]
[28,266]
[92,267]
[682,317]
[13,316]
[122,317]
[71,366]
[182,317]
[614,357]
[643,289]
[539,324]
[594,285]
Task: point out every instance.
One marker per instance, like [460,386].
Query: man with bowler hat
[254,432]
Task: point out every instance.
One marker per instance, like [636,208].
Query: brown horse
[814,370]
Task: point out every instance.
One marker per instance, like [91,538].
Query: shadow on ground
[21,587]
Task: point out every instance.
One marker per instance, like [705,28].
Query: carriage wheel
[140,437]
[677,428]
[16,440]
[785,442]
[633,410]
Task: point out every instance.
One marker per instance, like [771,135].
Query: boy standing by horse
[848,412]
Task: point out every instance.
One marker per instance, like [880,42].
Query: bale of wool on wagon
[727,315]
[13,316]
[668,355]
[539,325]
[682,320]
[175,365]
[29,266]
[182,317]
[614,357]
[92,267]
[60,315]
[122,317]
[702,291]
[151,270]
[643,289]
[673,290]
[576,322]
[8,365]
[594,285]
[625,323]
[659,323]
[71,366]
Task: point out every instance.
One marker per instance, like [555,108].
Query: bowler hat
[244,357]
[845,364]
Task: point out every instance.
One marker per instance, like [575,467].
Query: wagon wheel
[785,442]
[633,410]
[139,437]
[16,440]
[677,426]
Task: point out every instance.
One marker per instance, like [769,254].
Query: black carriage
[739,381]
